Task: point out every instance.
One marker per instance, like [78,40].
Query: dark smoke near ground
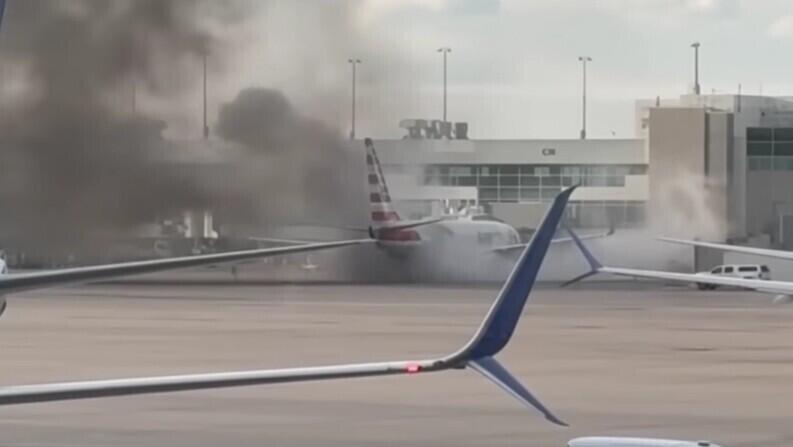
[75,168]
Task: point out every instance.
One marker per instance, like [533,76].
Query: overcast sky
[513,70]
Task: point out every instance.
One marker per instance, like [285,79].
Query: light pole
[584,60]
[445,51]
[695,46]
[206,126]
[353,62]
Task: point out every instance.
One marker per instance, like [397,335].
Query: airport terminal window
[769,149]
[783,163]
[508,194]
[529,194]
[783,149]
[529,181]
[508,180]
[783,134]
[759,149]
[759,134]
[533,183]
[761,163]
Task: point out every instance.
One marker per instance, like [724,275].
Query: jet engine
[783,299]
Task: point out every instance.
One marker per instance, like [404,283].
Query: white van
[743,271]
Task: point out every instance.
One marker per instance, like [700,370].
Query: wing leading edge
[51,278]
[491,337]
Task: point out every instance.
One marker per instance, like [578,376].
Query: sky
[513,71]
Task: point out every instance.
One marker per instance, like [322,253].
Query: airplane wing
[492,336]
[40,280]
[770,253]
[559,240]
[782,288]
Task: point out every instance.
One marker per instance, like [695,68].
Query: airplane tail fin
[594,265]
[382,211]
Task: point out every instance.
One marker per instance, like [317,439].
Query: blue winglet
[493,371]
[594,264]
[2,10]
[500,323]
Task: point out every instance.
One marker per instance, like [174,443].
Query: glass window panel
[555,170]
[509,170]
[460,170]
[783,134]
[551,193]
[551,181]
[488,193]
[758,149]
[597,181]
[529,181]
[509,194]
[638,170]
[783,149]
[508,180]
[527,170]
[488,181]
[615,181]
[571,170]
[542,170]
[532,194]
[760,163]
[466,181]
[758,134]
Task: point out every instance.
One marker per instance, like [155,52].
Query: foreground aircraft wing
[782,288]
[51,278]
[559,240]
[478,354]
[767,252]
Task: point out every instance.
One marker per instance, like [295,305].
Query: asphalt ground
[611,359]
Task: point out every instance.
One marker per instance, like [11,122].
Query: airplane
[782,289]
[478,353]
[444,249]
[618,441]
[767,252]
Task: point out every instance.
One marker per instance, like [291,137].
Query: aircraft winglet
[594,265]
[496,373]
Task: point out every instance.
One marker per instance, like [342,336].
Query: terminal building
[717,167]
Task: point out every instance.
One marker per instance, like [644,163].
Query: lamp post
[354,63]
[206,126]
[697,89]
[445,51]
[584,60]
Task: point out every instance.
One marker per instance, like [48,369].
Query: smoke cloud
[82,160]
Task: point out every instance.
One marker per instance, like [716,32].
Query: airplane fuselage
[458,250]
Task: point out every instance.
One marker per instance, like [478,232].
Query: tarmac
[611,359]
